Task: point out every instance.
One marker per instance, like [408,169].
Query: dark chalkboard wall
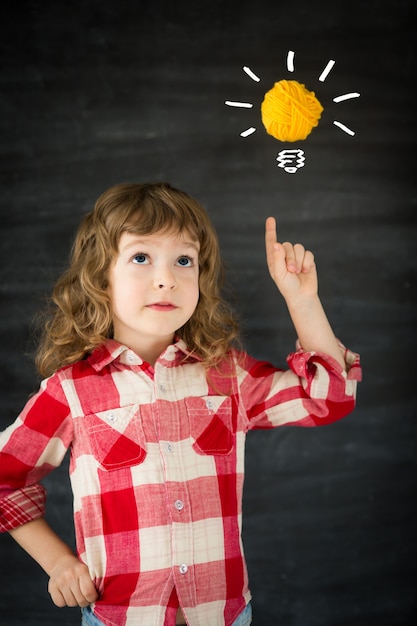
[99,92]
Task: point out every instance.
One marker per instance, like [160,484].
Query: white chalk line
[251,74]
[290,60]
[326,70]
[243,105]
[346,96]
[248,131]
[344,128]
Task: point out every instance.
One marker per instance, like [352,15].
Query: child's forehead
[164,237]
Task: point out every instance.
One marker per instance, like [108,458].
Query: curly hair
[80,314]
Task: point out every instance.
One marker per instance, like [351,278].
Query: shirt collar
[112,350]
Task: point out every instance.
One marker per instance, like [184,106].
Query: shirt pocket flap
[210,424]
[117,437]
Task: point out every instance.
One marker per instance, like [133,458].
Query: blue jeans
[245,618]
[89,619]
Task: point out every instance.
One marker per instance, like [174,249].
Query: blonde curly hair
[80,312]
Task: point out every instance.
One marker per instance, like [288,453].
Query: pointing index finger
[270,230]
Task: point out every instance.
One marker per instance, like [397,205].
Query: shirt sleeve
[314,391]
[30,448]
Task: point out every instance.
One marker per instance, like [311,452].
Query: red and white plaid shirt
[157,463]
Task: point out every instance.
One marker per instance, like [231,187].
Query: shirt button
[183,569]
[162,387]
[130,358]
[111,417]
[170,447]
[209,404]
[179,505]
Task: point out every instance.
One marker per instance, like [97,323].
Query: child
[144,383]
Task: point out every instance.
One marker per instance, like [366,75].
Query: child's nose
[164,279]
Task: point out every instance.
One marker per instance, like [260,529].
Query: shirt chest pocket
[211,424]
[117,438]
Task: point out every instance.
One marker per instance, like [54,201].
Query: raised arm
[293,270]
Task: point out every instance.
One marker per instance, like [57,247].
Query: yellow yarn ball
[289,111]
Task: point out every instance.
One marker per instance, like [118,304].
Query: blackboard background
[99,92]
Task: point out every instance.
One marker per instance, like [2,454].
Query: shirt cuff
[22,506]
[301,362]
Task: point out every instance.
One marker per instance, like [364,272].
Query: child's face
[153,285]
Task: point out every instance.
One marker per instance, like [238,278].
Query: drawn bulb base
[291,160]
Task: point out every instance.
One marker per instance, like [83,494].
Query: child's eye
[185,261]
[140,259]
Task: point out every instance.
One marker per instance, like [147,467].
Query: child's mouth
[162,306]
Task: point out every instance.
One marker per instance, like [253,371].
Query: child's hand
[70,583]
[291,266]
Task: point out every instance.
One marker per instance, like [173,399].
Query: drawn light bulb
[291,160]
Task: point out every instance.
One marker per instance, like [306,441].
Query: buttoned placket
[168,417]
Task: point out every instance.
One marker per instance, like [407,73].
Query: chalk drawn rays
[291,67]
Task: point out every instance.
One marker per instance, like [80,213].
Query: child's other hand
[291,266]
[70,583]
